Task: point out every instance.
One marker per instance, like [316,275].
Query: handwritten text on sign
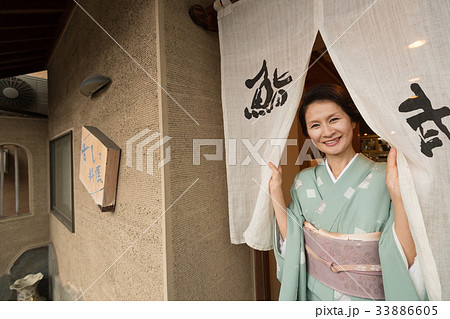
[99,164]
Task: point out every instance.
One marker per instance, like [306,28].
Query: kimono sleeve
[396,278]
[288,267]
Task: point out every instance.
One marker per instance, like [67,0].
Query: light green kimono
[358,202]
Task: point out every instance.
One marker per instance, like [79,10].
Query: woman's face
[330,128]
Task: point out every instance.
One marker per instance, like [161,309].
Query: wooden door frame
[261,275]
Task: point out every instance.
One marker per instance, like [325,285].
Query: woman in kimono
[346,196]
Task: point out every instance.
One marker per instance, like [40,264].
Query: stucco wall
[124,108]
[20,233]
[186,254]
[202,263]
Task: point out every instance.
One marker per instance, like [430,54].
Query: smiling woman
[331,131]
[337,238]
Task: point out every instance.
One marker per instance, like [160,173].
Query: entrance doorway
[321,70]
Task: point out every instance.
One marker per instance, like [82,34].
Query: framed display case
[374,147]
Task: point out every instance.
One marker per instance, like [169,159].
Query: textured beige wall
[202,264]
[20,233]
[190,246]
[127,106]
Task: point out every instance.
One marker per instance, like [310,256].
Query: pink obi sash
[349,263]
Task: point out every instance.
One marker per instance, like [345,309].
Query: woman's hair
[327,92]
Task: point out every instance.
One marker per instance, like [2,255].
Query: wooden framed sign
[99,167]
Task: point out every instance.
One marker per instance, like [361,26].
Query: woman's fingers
[275,169]
[392,158]
[272,167]
[275,179]
[391,167]
[392,181]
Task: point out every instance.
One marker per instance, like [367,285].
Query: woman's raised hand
[276,193]
[401,225]
[392,174]
[276,179]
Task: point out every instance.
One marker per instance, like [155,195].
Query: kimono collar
[334,179]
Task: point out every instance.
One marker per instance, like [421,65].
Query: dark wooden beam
[9,48]
[27,33]
[19,65]
[28,20]
[23,59]
[18,27]
[30,11]
[30,5]
[22,69]
[47,38]
[12,57]
[23,52]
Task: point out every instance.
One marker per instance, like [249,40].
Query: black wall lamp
[93,83]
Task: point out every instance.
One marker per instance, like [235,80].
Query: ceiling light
[416,44]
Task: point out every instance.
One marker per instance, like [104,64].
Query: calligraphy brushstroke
[265,97]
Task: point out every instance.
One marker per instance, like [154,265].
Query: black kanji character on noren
[260,107]
[421,102]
